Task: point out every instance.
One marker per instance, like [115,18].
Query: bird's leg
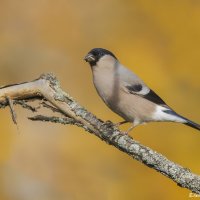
[120,123]
[135,123]
[129,129]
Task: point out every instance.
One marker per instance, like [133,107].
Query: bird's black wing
[152,96]
[149,95]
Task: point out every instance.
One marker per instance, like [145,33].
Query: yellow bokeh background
[158,40]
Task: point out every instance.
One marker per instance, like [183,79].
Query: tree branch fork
[47,89]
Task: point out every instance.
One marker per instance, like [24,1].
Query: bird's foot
[129,130]
[109,123]
[124,132]
[116,125]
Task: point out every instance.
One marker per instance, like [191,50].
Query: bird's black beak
[89,58]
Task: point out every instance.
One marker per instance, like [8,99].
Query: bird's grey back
[128,76]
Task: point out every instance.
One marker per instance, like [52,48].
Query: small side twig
[12,111]
[46,105]
[25,105]
[54,119]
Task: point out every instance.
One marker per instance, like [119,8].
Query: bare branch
[47,87]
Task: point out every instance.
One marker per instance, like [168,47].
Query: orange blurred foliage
[158,40]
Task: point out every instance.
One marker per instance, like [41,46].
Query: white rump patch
[160,115]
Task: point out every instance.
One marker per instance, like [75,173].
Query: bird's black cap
[95,54]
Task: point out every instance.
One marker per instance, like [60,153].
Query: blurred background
[158,40]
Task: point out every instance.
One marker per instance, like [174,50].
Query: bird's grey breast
[107,83]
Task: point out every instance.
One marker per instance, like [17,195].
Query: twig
[12,111]
[25,105]
[65,120]
[45,105]
[47,87]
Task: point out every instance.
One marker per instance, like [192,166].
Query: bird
[126,94]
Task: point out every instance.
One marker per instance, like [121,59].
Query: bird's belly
[132,107]
[129,106]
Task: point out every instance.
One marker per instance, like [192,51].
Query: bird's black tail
[184,120]
[192,124]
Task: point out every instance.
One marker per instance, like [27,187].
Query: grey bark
[47,89]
